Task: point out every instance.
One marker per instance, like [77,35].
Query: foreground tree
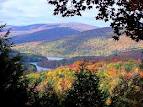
[10,72]
[126,16]
[85,92]
[129,93]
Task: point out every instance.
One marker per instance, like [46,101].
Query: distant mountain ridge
[46,32]
[77,26]
[45,35]
[71,40]
[105,32]
[65,41]
[57,33]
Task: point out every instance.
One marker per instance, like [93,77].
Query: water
[39,68]
[54,58]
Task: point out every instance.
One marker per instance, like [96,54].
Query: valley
[71,53]
[86,43]
[58,57]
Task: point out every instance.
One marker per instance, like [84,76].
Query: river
[39,68]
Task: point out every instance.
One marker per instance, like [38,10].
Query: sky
[27,12]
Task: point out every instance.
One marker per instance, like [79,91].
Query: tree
[85,92]
[10,73]
[129,93]
[126,16]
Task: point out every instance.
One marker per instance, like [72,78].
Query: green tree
[129,93]
[10,73]
[46,99]
[85,92]
[126,16]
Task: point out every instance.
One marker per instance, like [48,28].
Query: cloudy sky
[26,12]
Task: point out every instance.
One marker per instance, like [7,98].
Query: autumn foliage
[112,77]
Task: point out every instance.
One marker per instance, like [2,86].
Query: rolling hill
[76,26]
[96,42]
[46,32]
[45,35]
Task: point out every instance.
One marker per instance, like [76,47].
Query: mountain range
[70,40]
[46,32]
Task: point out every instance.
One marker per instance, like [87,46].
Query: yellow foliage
[110,76]
[34,75]
[108,101]
[61,80]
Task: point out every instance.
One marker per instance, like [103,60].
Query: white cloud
[19,12]
[24,8]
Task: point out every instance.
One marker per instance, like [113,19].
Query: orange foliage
[87,65]
[129,75]
[112,73]
[141,74]
[108,101]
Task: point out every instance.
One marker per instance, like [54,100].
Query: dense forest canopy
[126,16]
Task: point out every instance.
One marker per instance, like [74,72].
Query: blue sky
[26,12]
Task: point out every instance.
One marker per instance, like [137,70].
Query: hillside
[97,42]
[48,32]
[48,35]
[75,26]
[68,42]
[29,29]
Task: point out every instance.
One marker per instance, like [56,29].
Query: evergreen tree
[85,92]
[10,73]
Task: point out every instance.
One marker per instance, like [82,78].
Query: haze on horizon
[27,12]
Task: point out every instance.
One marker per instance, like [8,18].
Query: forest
[101,67]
